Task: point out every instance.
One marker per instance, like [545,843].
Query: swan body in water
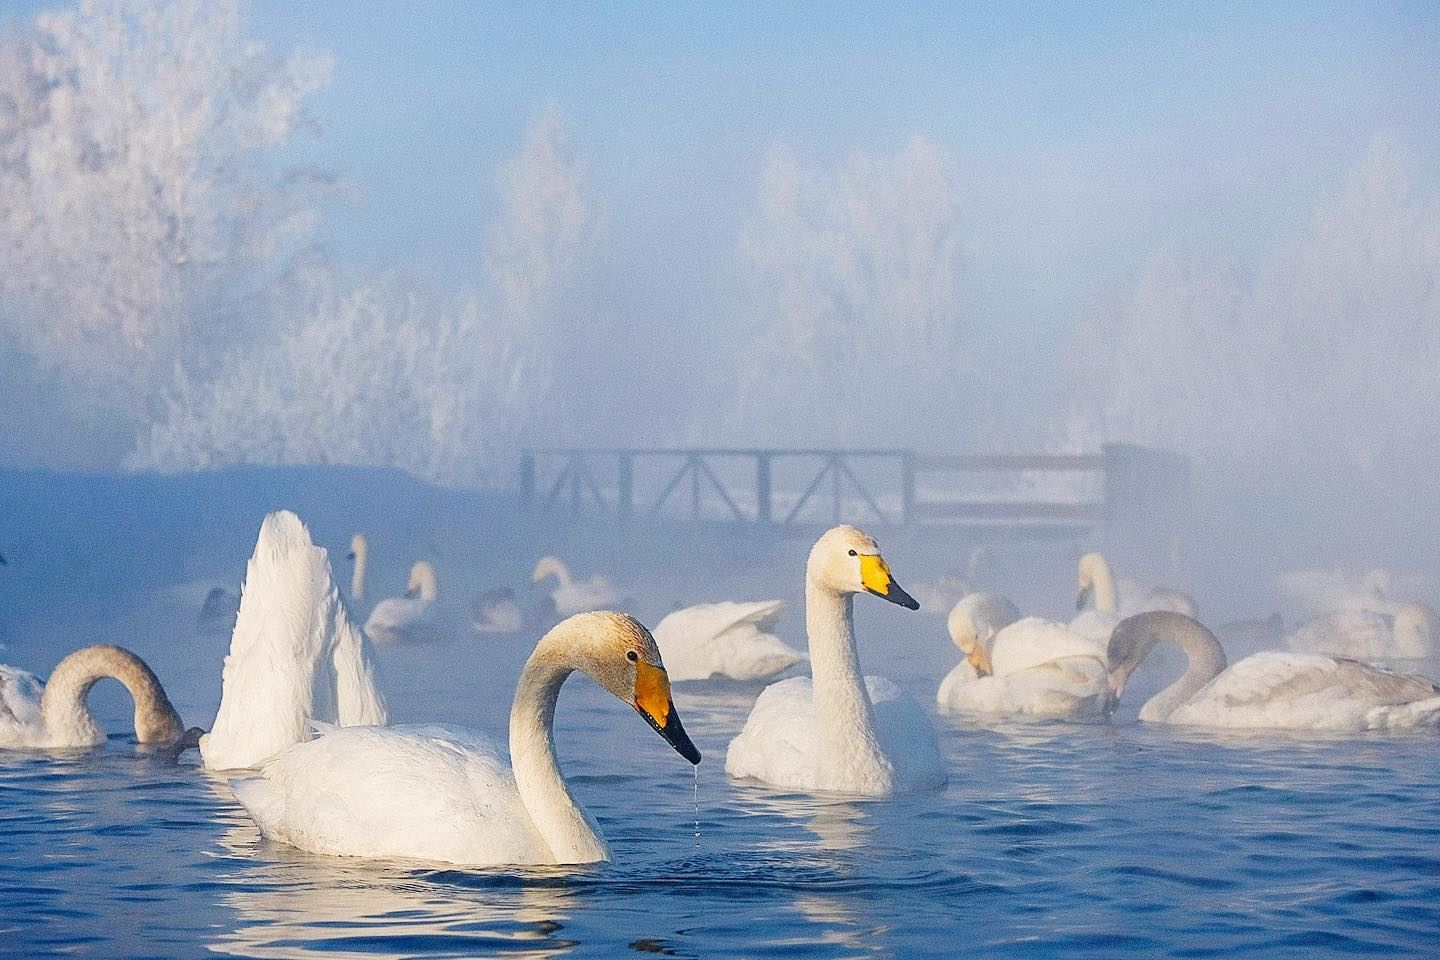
[1097,585]
[53,714]
[496,611]
[413,618]
[439,793]
[1408,635]
[1311,593]
[973,621]
[571,595]
[1034,668]
[839,731]
[295,656]
[726,639]
[1272,689]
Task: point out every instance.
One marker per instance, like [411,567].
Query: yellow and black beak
[1086,592]
[980,659]
[653,702]
[875,575]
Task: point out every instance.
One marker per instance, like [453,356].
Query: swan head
[965,634]
[1130,643]
[422,582]
[1415,630]
[846,560]
[1092,571]
[618,652]
[358,547]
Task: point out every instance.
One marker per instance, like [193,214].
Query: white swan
[1410,634]
[360,555]
[839,731]
[295,657]
[1272,689]
[973,621]
[1035,668]
[1309,593]
[413,618]
[496,611]
[447,794]
[575,596]
[1098,586]
[726,639]
[53,714]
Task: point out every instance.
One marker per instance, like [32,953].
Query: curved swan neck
[422,578]
[1204,661]
[1104,582]
[63,703]
[566,829]
[553,566]
[844,716]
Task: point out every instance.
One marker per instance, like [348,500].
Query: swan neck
[566,829]
[1204,661]
[1105,597]
[63,706]
[844,716]
[357,577]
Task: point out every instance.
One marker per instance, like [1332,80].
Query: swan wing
[1310,692]
[405,620]
[1034,641]
[421,792]
[726,639]
[20,695]
[1068,688]
[777,743]
[906,736]
[1095,624]
[291,637]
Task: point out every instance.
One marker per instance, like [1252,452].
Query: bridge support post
[625,487]
[762,487]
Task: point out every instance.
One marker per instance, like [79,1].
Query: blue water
[1049,841]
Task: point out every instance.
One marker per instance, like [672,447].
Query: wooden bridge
[1039,495]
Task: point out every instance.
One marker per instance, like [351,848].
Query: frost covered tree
[384,373]
[852,299]
[141,207]
[1325,351]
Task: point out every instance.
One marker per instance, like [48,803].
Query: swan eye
[631,656]
[853,553]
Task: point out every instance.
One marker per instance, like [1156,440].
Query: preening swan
[1410,634]
[839,731]
[53,715]
[413,618]
[447,794]
[1274,689]
[972,623]
[295,657]
[1034,668]
[726,639]
[575,596]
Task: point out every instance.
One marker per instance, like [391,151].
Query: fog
[219,246]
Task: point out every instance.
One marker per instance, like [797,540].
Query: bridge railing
[1120,488]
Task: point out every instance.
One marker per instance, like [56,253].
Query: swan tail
[263,801]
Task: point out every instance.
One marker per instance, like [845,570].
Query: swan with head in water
[446,794]
[839,731]
[1272,689]
[295,656]
[53,715]
[571,595]
[1021,669]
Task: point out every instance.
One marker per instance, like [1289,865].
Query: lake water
[1049,841]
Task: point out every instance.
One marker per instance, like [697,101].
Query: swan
[295,656]
[53,714]
[943,594]
[1309,593]
[438,793]
[495,611]
[1409,634]
[1271,689]
[413,618]
[575,596]
[727,639]
[839,731]
[973,622]
[1034,667]
[1098,586]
